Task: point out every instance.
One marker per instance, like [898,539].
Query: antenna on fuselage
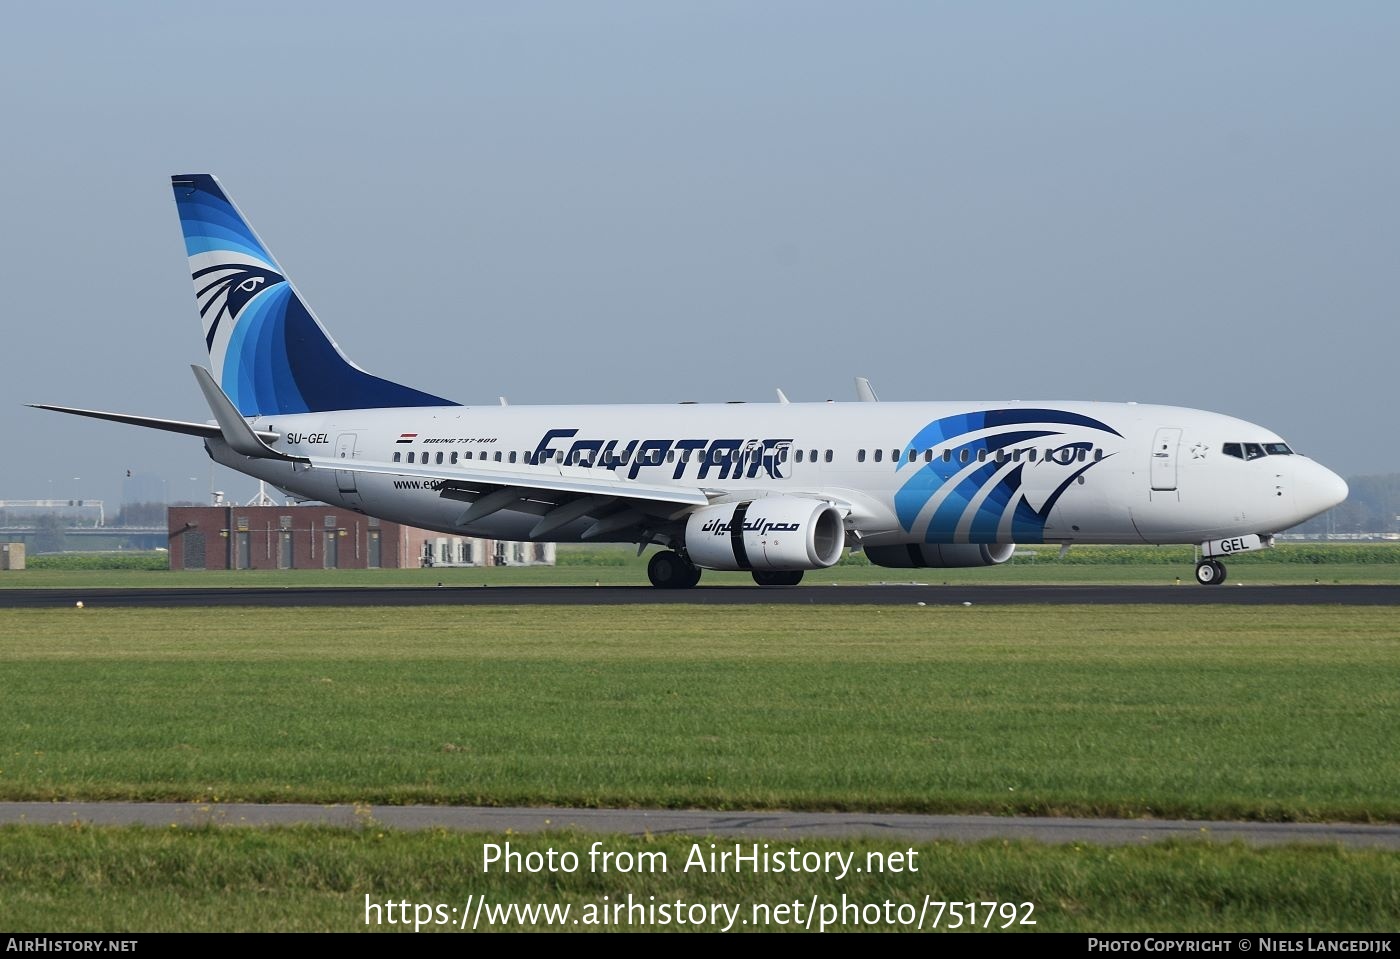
[864,391]
[782,397]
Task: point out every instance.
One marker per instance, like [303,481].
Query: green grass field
[1265,713]
[1258,713]
[113,880]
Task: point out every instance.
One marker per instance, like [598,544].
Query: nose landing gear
[1210,572]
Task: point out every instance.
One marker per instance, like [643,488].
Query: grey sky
[1187,203]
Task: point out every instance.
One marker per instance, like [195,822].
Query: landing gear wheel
[1210,572]
[783,577]
[670,570]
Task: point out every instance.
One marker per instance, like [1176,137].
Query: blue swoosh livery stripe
[1000,429]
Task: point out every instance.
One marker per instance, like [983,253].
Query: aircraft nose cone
[1334,489]
[1319,489]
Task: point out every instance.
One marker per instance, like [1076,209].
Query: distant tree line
[145,514]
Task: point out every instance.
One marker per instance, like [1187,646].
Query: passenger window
[512,456]
[1098,454]
[1001,456]
[799,456]
[964,455]
[981,456]
[1082,455]
[911,456]
[878,455]
[828,456]
[1031,455]
[948,456]
[410,456]
[498,456]
[860,456]
[397,457]
[928,455]
[813,456]
[1253,451]
[439,458]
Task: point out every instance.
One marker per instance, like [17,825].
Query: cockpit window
[1254,451]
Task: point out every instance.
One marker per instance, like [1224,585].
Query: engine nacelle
[947,556]
[774,532]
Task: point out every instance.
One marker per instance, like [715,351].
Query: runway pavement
[881,594]
[636,822]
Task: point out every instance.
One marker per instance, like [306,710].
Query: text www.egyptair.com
[480,912]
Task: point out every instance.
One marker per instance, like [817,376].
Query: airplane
[772,489]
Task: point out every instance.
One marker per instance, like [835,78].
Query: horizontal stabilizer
[207,430]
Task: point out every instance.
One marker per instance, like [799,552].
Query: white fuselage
[975,472]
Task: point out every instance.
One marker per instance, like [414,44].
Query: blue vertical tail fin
[267,351]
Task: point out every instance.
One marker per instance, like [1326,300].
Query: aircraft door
[1164,456]
[345,479]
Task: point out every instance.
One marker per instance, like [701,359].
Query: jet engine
[946,556]
[771,533]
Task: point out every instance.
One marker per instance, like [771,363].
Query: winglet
[235,429]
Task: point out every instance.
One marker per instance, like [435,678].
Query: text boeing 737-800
[772,489]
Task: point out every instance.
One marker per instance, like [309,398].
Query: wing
[556,494]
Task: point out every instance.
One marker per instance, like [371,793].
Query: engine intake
[946,556]
[771,533]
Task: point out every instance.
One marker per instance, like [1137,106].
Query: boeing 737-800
[773,489]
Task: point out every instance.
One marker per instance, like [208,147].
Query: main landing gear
[777,577]
[670,570]
[1210,572]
